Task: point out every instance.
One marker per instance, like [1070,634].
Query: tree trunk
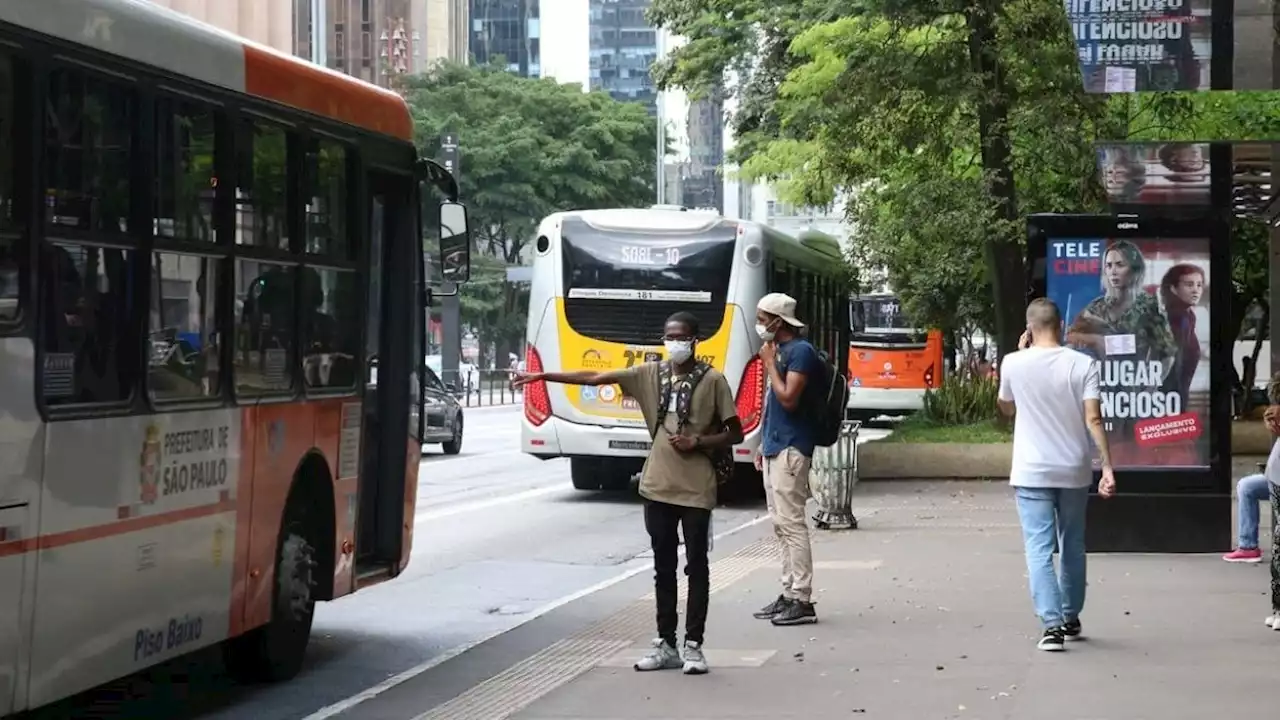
[1005,264]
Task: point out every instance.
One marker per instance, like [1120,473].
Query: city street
[500,538]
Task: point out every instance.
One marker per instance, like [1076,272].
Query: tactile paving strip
[519,686]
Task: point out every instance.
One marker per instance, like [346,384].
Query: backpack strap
[684,399]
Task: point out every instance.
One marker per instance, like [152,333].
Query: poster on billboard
[1142,45]
[1172,173]
[1140,307]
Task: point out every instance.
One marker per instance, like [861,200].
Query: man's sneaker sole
[807,620]
[1243,560]
[1052,644]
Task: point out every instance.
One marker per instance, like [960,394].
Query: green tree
[946,122]
[527,148]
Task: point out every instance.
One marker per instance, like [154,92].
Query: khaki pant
[786,485]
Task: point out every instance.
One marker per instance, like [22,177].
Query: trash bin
[832,476]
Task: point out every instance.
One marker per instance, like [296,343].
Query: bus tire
[275,651]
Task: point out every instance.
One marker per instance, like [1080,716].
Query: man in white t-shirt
[1055,392]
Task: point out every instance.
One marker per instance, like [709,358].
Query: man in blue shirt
[787,452]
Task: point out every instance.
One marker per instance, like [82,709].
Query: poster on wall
[1129,46]
[1140,307]
[1173,173]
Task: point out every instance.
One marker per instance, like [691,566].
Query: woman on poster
[1124,308]
[1125,322]
[1181,291]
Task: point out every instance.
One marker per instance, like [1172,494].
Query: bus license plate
[628,445]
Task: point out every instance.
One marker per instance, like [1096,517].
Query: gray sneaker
[661,657]
[695,663]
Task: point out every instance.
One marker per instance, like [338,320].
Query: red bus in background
[891,363]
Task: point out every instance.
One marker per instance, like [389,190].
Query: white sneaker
[695,663]
[1272,621]
[661,657]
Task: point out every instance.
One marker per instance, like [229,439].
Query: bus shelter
[1147,290]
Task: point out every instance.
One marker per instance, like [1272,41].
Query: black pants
[663,522]
[1275,547]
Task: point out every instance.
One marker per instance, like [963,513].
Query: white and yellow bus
[604,283]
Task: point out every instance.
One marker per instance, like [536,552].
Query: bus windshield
[880,316]
[621,285]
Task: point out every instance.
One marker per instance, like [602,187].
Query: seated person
[1251,490]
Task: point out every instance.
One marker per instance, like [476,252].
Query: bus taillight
[750,400]
[928,377]
[537,401]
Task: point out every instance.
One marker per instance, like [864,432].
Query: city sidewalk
[924,614]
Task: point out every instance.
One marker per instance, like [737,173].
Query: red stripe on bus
[98,532]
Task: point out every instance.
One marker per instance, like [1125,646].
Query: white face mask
[764,332]
[679,351]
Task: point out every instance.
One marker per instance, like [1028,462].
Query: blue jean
[1053,518]
[1250,490]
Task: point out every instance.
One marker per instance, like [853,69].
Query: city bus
[206,250]
[604,283]
[891,363]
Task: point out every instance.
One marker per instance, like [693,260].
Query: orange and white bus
[891,364]
[206,250]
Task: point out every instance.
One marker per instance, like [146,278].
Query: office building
[445,30]
[510,30]
[623,48]
[268,22]
[703,184]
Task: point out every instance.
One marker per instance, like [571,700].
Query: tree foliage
[944,122]
[527,148]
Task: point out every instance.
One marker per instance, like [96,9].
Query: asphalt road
[499,536]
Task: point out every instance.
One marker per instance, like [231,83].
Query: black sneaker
[1072,629]
[1053,640]
[797,612]
[768,611]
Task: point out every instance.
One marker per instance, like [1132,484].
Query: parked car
[444,416]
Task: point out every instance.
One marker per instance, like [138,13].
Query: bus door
[388,371]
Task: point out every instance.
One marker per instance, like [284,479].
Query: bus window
[183,349]
[265,331]
[327,201]
[185,180]
[606,271]
[261,190]
[330,327]
[12,258]
[87,144]
[88,348]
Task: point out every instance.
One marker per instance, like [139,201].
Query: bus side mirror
[455,243]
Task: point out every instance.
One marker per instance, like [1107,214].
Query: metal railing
[482,388]
[832,477]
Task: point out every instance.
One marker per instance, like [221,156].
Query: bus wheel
[275,651]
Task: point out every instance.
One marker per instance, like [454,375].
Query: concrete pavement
[924,614]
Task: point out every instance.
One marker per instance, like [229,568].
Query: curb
[988,461]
